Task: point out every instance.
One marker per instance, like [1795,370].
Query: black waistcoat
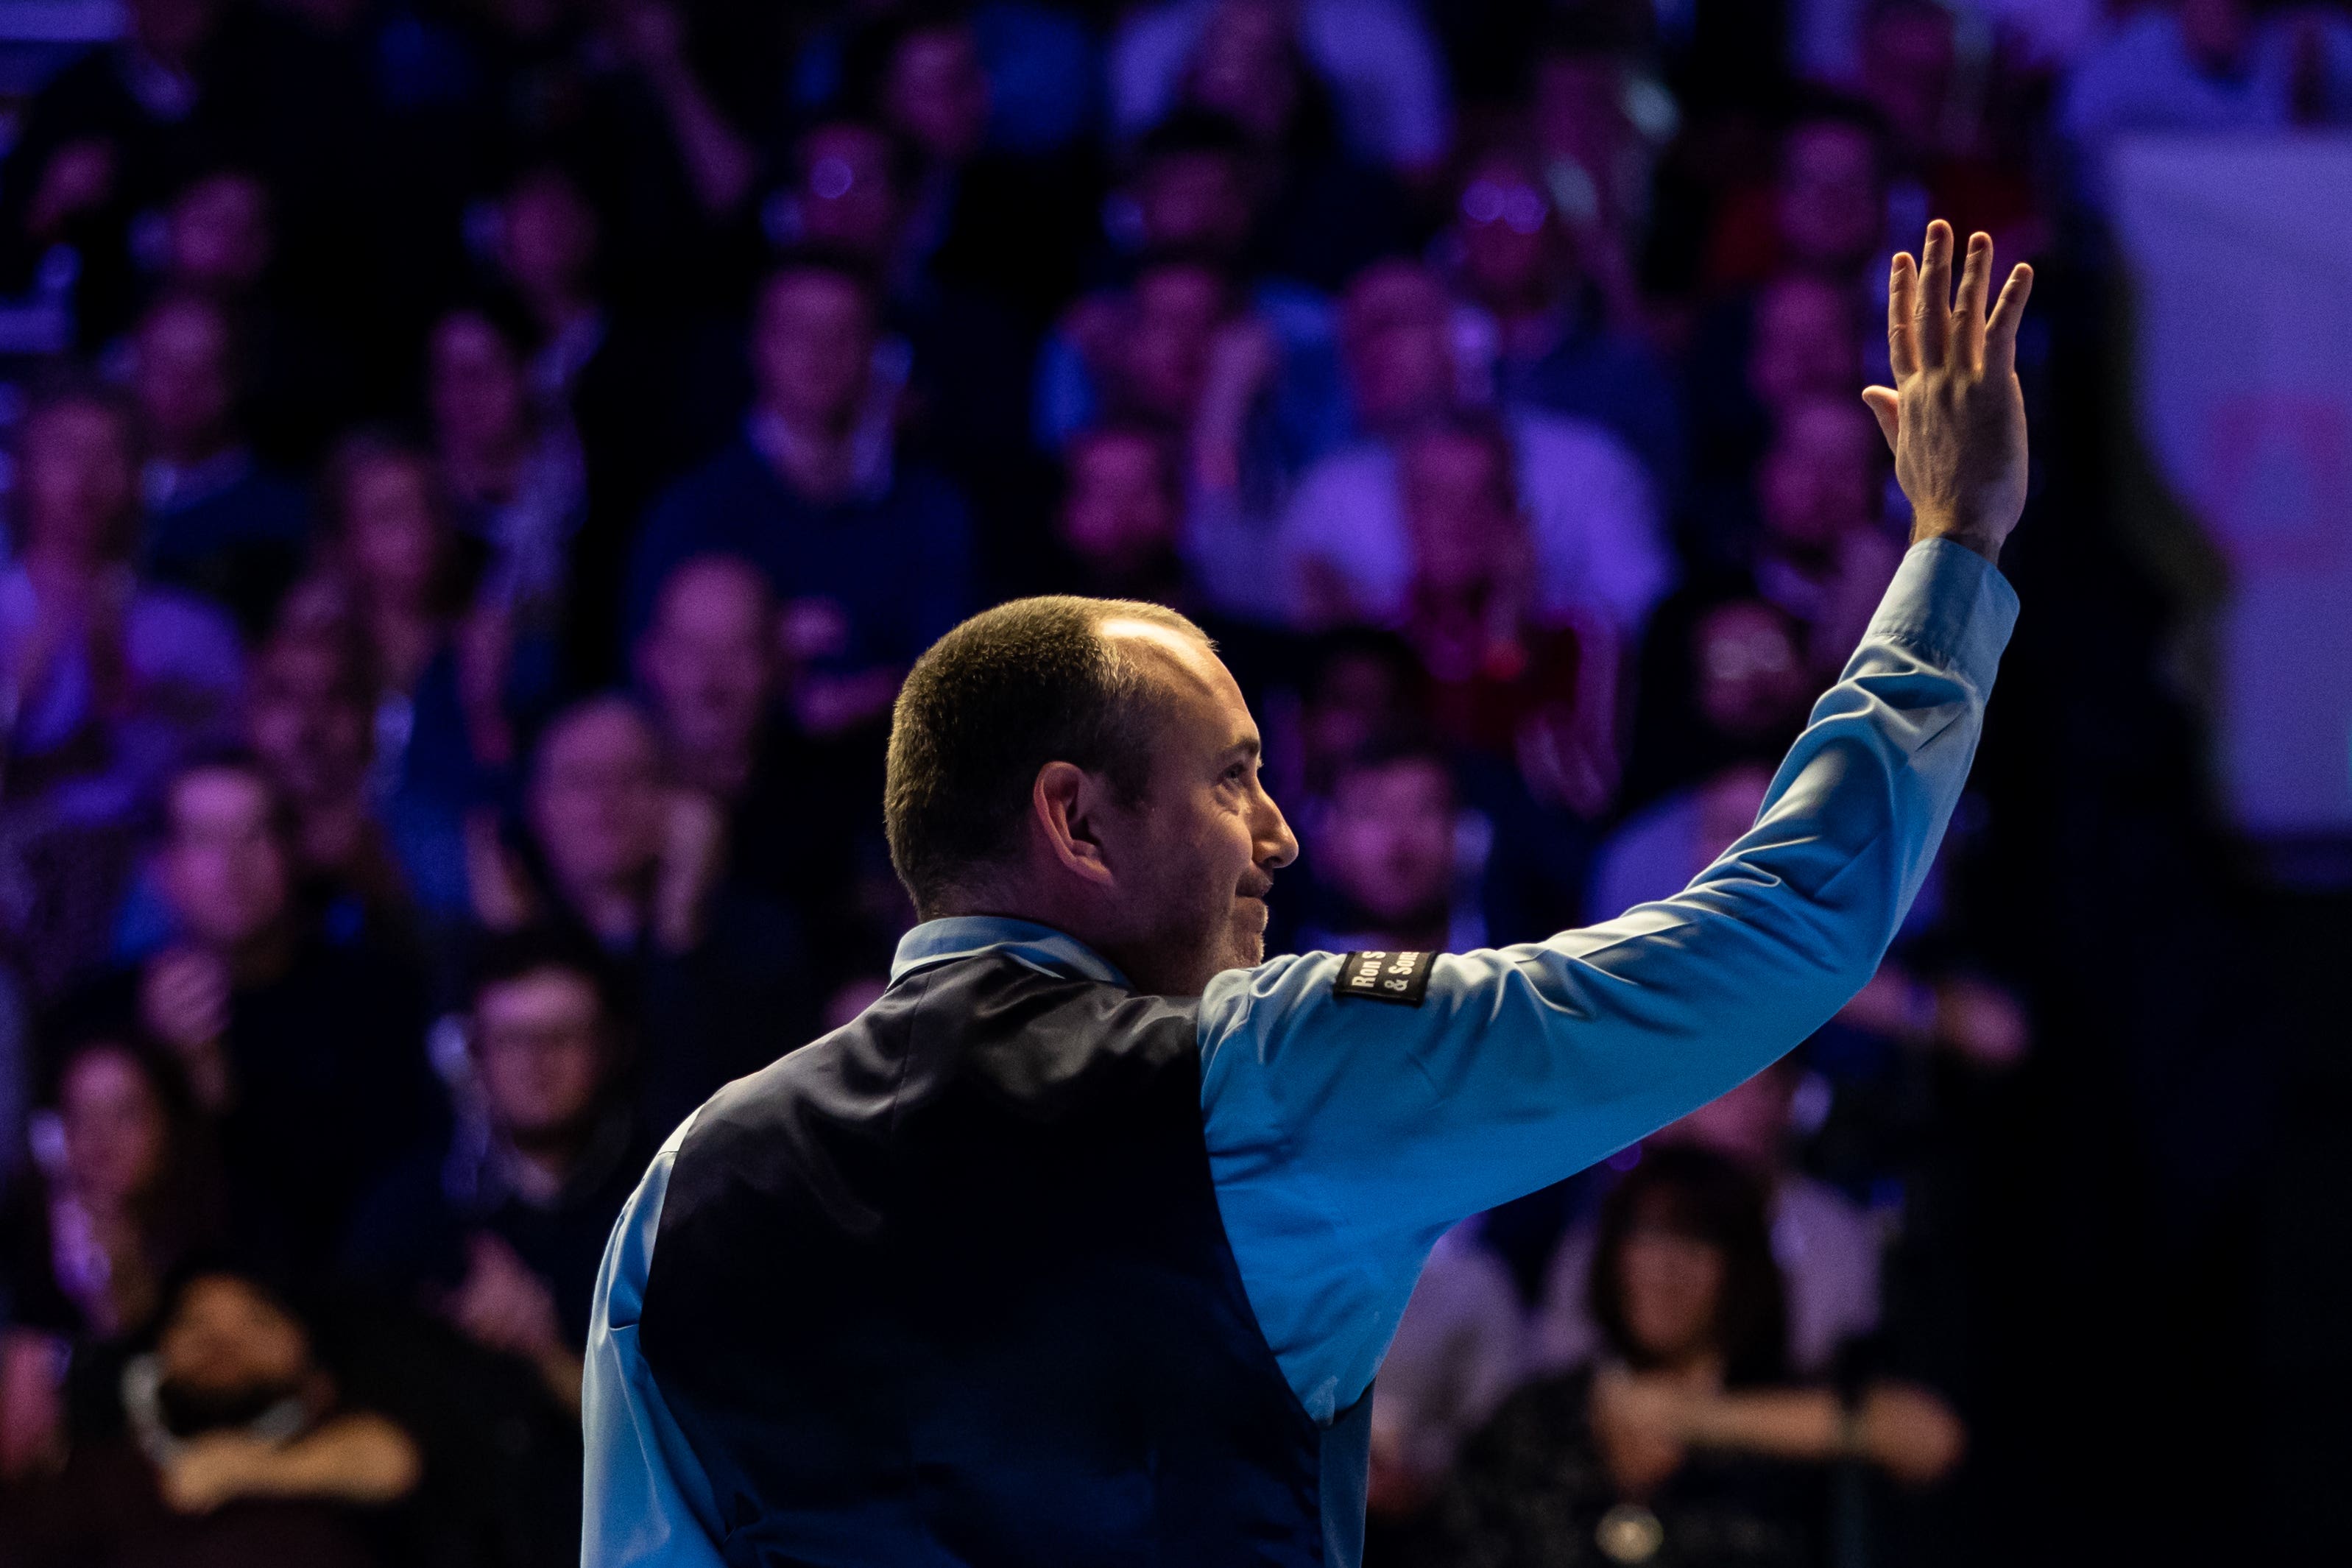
[951,1286]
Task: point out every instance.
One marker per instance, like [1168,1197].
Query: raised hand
[1955,417]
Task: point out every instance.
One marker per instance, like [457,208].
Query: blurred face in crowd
[307,718]
[596,796]
[115,1127]
[1177,309]
[224,865]
[1388,844]
[1396,329]
[936,94]
[1359,698]
[1197,200]
[1751,674]
[228,1353]
[1818,482]
[1806,342]
[540,1047]
[218,233]
[392,528]
[1831,210]
[478,396]
[849,195]
[1458,508]
[1120,513]
[79,483]
[812,347]
[548,239]
[1748,1126]
[709,657]
[1673,1283]
[1907,57]
[1513,257]
[1244,68]
[182,379]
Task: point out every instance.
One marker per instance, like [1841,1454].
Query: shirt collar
[966,936]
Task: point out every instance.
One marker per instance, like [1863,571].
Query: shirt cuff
[1952,604]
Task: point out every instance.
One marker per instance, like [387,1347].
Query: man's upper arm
[644,1502]
[1352,1131]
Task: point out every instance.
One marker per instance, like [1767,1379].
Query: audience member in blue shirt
[217,522]
[872,560]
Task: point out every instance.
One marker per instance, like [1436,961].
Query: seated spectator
[296,373]
[1685,1439]
[711,668]
[515,477]
[1797,340]
[1826,1246]
[1529,325]
[128,1189]
[976,218]
[111,679]
[310,720]
[501,1231]
[1588,503]
[217,522]
[1388,859]
[1376,59]
[1723,679]
[1459,1351]
[398,578]
[1106,360]
[1821,552]
[1504,681]
[1322,211]
[954,340]
[237,1449]
[1119,526]
[872,560]
[1823,212]
[639,869]
[310,1053]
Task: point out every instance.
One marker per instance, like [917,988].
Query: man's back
[950,1285]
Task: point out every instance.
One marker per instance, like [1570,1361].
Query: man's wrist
[1984,539]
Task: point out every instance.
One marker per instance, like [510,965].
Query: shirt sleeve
[1345,1134]
[646,1503]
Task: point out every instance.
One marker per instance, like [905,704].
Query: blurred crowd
[479,469]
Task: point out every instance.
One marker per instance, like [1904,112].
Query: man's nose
[1276,846]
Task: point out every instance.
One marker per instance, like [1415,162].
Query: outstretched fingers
[1969,311]
[1902,299]
[1932,313]
[2000,330]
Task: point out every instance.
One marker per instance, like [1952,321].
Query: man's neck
[541,1163]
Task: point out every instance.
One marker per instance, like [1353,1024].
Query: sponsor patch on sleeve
[1385,976]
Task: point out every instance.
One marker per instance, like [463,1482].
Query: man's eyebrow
[1246,746]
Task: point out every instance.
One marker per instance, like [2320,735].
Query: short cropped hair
[1027,683]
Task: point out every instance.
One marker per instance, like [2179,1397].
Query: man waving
[1083,1243]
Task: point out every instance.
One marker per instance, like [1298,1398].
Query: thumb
[1887,408]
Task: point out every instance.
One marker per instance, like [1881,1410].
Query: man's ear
[1068,803]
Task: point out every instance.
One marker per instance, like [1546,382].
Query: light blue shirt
[1345,1135]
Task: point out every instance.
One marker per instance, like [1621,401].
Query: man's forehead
[1186,661]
